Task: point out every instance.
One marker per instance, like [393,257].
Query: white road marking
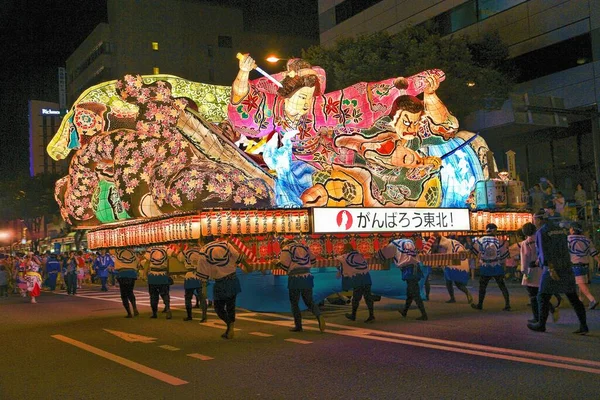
[170,348]
[200,357]
[161,376]
[299,341]
[260,334]
[420,341]
[448,345]
[131,337]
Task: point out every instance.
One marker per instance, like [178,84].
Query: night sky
[37,37]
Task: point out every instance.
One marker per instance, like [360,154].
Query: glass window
[487,8]
[541,62]
[225,41]
[540,157]
[155,46]
[586,148]
[155,70]
[455,19]
[463,15]
[565,152]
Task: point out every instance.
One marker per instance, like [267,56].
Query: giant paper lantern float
[159,159]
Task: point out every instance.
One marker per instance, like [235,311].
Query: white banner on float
[366,220]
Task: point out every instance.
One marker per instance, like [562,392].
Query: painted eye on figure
[406,122]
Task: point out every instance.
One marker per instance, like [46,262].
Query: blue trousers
[103,282]
[52,281]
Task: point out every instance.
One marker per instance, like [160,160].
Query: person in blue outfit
[221,258]
[492,254]
[355,275]
[557,275]
[194,280]
[581,249]
[404,254]
[296,260]
[101,265]
[158,279]
[453,275]
[52,271]
[125,266]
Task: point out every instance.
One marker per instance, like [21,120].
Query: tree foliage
[381,55]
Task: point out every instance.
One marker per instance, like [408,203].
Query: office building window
[487,8]
[349,8]
[225,41]
[555,58]
[155,70]
[155,46]
[455,19]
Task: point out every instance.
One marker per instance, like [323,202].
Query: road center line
[161,376]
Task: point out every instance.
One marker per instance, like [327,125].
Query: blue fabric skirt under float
[269,293]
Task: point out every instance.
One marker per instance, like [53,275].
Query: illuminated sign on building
[362,220]
[49,111]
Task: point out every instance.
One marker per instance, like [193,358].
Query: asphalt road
[82,348]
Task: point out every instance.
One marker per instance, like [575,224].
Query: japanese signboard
[364,220]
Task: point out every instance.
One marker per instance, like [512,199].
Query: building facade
[44,120]
[551,121]
[191,39]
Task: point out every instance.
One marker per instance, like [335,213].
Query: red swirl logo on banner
[344,220]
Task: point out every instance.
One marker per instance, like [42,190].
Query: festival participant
[453,276]
[530,269]
[71,274]
[33,280]
[3,281]
[492,252]
[101,265]
[158,278]
[221,258]
[52,270]
[557,274]
[355,275]
[580,249]
[296,260]
[125,264]
[194,280]
[404,254]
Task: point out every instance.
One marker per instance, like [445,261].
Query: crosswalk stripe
[261,334]
[170,348]
[299,341]
[201,357]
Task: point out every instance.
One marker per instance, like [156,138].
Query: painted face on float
[406,125]
[299,103]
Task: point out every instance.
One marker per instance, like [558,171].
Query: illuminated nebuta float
[159,159]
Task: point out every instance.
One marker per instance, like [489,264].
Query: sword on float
[239,56]
[448,154]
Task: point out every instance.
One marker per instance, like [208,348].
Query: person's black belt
[582,264]
[226,278]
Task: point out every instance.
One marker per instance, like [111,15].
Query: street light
[7,235]
[273,59]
